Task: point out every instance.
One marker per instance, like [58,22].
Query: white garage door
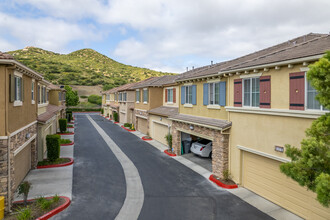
[22,164]
[159,132]
[142,125]
[262,175]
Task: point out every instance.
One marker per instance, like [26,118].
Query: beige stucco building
[18,124]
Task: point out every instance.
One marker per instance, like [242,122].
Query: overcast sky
[166,35]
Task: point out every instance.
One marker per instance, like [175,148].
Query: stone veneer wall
[220,147]
[142,113]
[16,141]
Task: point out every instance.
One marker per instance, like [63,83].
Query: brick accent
[220,147]
[16,141]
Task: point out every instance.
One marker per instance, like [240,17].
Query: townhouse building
[126,99]
[110,102]
[18,124]
[159,124]
[250,107]
[51,107]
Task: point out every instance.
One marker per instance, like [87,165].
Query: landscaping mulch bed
[227,184]
[169,153]
[58,161]
[36,211]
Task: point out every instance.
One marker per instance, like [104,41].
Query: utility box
[2,207]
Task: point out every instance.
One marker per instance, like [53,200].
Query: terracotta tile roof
[54,87]
[145,83]
[165,80]
[114,106]
[126,87]
[317,46]
[51,111]
[214,69]
[6,56]
[164,111]
[203,121]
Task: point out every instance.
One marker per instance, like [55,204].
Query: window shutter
[194,94]
[174,95]
[12,88]
[165,95]
[147,95]
[265,90]
[205,94]
[238,92]
[183,91]
[297,91]
[222,96]
[22,81]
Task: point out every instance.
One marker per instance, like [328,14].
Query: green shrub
[53,146]
[127,125]
[226,175]
[56,199]
[24,214]
[108,115]
[83,96]
[69,116]
[115,117]
[96,99]
[24,188]
[85,109]
[63,124]
[102,111]
[168,139]
[65,141]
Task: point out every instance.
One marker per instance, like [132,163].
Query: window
[120,96]
[108,97]
[59,96]
[47,96]
[43,94]
[169,95]
[137,95]
[311,93]
[39,100]
[214,93]
[18,88]
[251,92]
[188,94]
[32,91]
[145,95]
[116,97]
[124,96]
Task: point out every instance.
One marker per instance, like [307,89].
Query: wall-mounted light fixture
[160,119]
[28,135]
[191,127]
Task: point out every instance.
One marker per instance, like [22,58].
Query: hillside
[82,67]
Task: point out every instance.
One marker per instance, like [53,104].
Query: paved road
[171,190]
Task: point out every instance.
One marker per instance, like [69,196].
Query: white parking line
[134,190]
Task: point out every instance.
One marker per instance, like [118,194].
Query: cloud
[47,33]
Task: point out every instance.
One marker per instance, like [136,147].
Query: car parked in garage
[202,147]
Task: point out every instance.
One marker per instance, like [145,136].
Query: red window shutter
[174,95]
[265,95]
[297,91]
[165,95]
[238,92]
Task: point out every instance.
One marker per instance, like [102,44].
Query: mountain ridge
[82,67]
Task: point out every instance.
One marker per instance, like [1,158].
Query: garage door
[142,125]
[159,132]
[22,164]
[262,175]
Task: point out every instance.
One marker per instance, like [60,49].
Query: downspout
[8,134]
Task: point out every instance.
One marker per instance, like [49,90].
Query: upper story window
[120,96]
[116,97]
[188,96]
[60,96]
[108,97]
[44,94]
[170,95]
[39,100]
[124,96]
[18,88]
[32,91]
[145,95]
[311,101]
[64,96]
[251,91]
[214,93]
[137,96]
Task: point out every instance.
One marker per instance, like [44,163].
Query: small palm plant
[24,188]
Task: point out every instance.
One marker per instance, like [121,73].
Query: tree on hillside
[72,98]
[310,165]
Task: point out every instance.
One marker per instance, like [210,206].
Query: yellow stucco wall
[20,116]
[141,105]
[176,104]
[53,97]
[155,97]
[201,110]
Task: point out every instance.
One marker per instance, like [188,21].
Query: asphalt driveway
[171,190]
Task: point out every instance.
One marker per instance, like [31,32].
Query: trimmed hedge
[115,117]
[69,116]
[53,146]
[63,124]
[85,109]
[102,111]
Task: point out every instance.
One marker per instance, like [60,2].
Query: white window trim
[253,75]
[213,107]
[209,95]
[185,95]
[167,89]
[306,99]
[250,106]
[18,74]
[213,81]
[188,105]
[18,102]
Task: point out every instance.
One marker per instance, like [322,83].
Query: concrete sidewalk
[51,181]
[253,199]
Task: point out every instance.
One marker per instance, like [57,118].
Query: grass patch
[57,161]
[65,141]
[69,126]
[86,105]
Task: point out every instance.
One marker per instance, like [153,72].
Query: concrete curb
[70,144]
[146,139]
[221,184]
